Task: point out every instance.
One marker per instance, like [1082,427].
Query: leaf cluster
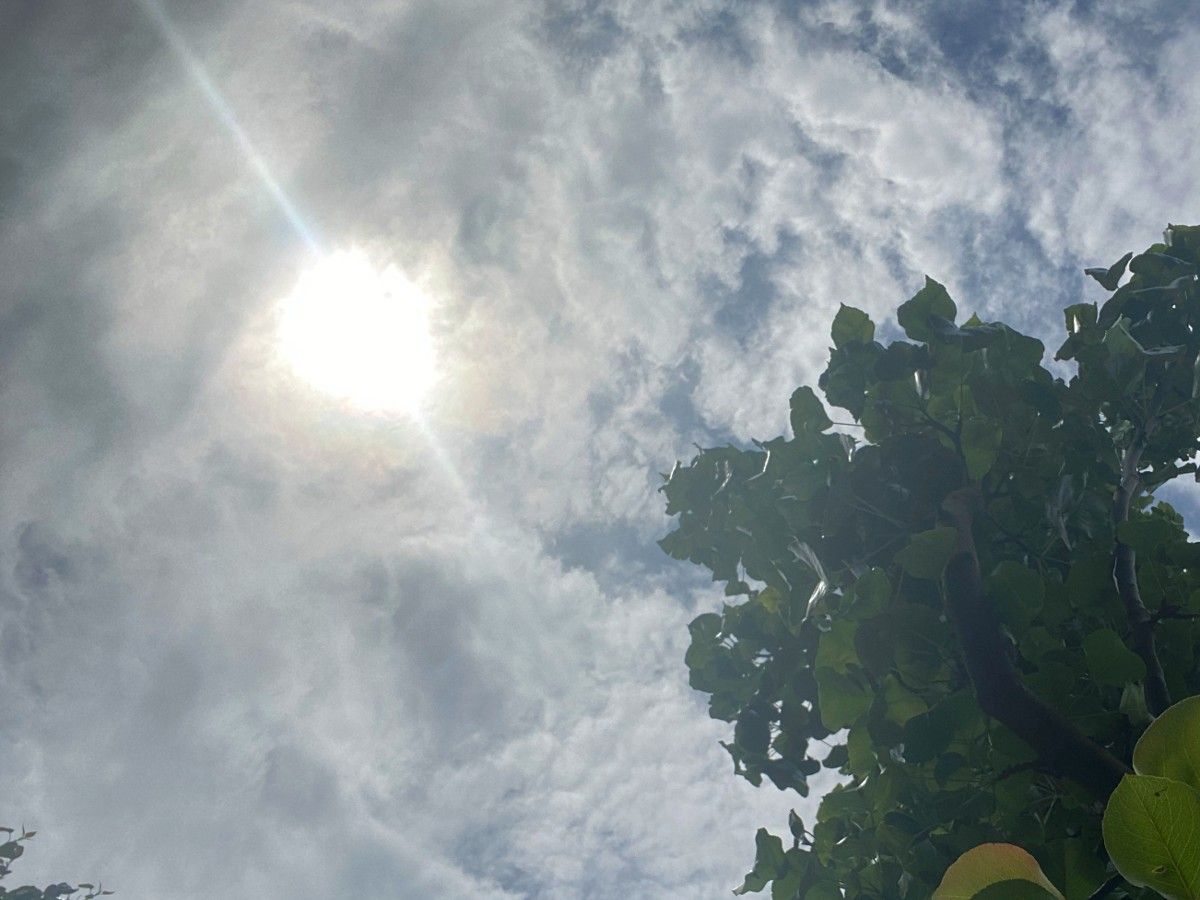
[835,649]
[1151,826]
[12,848]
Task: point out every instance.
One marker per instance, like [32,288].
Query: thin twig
[1105,889]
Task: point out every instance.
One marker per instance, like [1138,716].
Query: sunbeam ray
[224,113]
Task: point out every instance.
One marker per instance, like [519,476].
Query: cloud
[243,630]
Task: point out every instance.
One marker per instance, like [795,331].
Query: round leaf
[992,864]
[1170,747]
[1152,833]
[928,552]
[842,698]
[852,326]
[836,650]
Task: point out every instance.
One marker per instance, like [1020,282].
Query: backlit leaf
[842,698]
[1170,747]
[1152,833]
[989,864]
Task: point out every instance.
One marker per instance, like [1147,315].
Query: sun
[359,333]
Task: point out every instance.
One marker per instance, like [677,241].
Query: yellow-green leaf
[902,704]
[842,698]
[836,648]
[989,864]
[1152,834]
[1170,747]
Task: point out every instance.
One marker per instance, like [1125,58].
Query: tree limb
[1064,750]
[1141,623]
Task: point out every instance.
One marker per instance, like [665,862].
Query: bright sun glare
[359,333]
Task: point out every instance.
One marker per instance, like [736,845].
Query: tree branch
[1141,624]
[1064,750]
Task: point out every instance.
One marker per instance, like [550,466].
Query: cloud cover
[253,644]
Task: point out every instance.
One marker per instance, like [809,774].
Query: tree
[11,849]
[970,607]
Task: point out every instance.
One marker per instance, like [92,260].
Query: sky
[257,640]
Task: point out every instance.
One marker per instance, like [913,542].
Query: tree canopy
[969,605]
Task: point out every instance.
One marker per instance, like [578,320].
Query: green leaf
[11,850]
[822,892]
[768,862]
[900,359]
[1018,592]
[1147,534]
[991,864]
[1080,317]
[836,649]
[931,300]
[1109,660]
[705,628]
[928,552]
[902,704]
[1183,239]
[837,758]
[1170,747]
[860,753]
[788,886]
[1152,833]
[845,379]
[1109,278]
[956,718]
[1119,342]
[852,326]
[1160,267]
[1126,362]
[871,593]
[973,335]
[808,415]
[842,698]
[1084,869]
[981,440]
[752,732]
